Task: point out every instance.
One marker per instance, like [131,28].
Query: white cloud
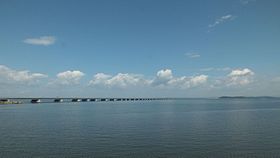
[121,80]
[216,69]
[222,20]
[241,72]
[165,74]
[197,80]
[162,78]
[69,77]
[245,2]
[100,79]
[192,55]
[240,77]
[43,40]
[165,79]
[9,75]
[185,82]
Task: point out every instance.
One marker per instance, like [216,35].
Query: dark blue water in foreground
[176,128]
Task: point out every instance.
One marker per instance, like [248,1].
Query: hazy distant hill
[245,97]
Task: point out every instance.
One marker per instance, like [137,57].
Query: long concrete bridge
[74,99]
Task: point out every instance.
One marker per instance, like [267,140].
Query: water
[175,128]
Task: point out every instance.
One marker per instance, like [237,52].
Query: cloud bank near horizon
[163,81]
[11,76]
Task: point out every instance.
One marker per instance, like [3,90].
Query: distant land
[246,97]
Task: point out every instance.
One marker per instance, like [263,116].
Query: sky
[139,48]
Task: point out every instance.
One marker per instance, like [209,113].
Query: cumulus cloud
[166,79]
[241,72]
[165,74]
[69,77]
[9,75]
[197,80]
[240,77]
[187,82]
[121,80]
[100,79]
[43,40]
[163,79]
[192,55]
[221,20]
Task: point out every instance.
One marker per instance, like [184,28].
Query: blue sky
[190,48]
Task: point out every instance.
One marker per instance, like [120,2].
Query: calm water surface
[176,128]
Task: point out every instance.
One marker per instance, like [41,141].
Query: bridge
[74,99]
